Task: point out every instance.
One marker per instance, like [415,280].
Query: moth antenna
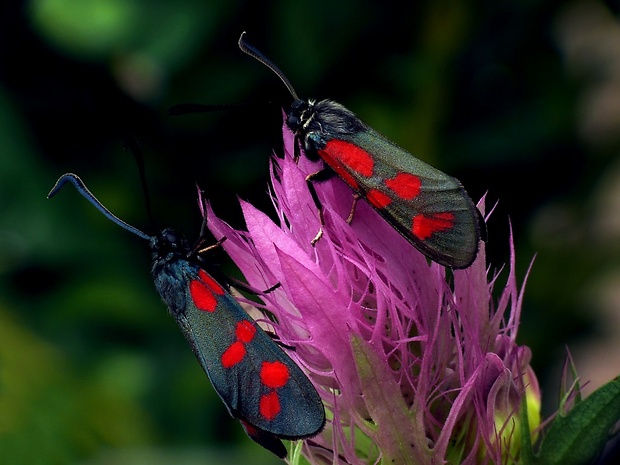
[254,53]
[83,190]
[202,204]
[132,144]
[199,250]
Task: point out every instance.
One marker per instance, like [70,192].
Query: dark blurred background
[518,99]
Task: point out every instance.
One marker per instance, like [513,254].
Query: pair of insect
[259,384]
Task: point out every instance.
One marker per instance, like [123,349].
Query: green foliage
[579,437]
[48,414]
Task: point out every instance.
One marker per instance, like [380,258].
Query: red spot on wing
[274,374]
[204,290]
[251,430]
[211,283]
[344,156]
[424,226]
[269,405]
[378,199]
[245,331]
[404,185]
[233,355]
[202,296]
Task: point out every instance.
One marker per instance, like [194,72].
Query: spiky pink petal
[416,365]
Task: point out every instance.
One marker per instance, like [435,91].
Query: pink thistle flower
[413,367]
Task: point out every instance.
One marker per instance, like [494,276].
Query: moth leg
[316,238]
[200,250]
[240,285]
[318,176]
[275,338]
[297,149]
[356,197]
[272,288]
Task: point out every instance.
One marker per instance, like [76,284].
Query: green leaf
[579,436]
[527,456]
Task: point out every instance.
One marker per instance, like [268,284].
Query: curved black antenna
[83,190]
[202,205]
[132,144]
[254,53]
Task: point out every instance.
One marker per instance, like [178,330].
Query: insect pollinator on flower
[428,207]
[259,384]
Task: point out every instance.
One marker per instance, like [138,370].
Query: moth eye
[293,121]
[297,104]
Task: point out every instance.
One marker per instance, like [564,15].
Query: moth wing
[241,386]
[429,208]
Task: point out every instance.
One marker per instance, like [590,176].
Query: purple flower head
[413,365]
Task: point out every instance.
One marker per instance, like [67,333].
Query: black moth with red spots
[259,384]
[426,206]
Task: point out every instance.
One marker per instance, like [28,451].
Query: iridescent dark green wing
[429,208]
